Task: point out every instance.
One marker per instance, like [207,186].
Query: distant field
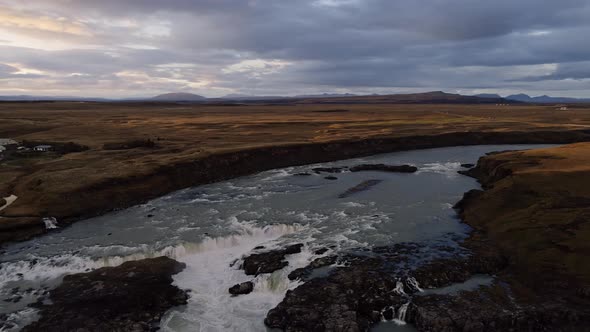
[235,127]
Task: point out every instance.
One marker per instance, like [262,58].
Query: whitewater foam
[17,320]
[50,223]
[209,276]
[447,168]
[40,272]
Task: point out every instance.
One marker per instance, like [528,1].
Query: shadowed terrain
[537,209]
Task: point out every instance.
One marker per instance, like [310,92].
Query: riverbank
[70,200]
[535,207]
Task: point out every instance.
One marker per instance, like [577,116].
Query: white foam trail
[209,276]
[399,288]
[414,283]
[448,168]
[353,204]
[277,174]
[447,206]
[9,200]
[50,223]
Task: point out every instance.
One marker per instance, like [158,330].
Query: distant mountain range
[329,98]
[434,97]
[179,96]
[540,99]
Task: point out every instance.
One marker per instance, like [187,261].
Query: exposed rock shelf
[130,297]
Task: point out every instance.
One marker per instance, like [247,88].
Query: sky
[135,48]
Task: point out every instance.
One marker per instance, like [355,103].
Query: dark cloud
[565,71]
[214,47]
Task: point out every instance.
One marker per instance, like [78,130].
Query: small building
[43,148]
[562,108]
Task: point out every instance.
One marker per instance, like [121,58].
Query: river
[209,227]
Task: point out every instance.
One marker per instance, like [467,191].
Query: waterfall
[414,283]
[50,223]
[402,311]
[400,317]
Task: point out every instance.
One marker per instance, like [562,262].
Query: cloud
[213,47]
[579,71]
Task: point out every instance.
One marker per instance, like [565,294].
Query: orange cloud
[11,19]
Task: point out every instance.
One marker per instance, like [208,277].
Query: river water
[209,227]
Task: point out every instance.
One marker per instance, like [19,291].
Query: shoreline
[539,197]
[115,194]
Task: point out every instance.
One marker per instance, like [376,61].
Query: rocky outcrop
[270,261]
[319,170]
[365,185]
[243,288]
[129,297]
[384,168]
[491,309]
[485,259]
[534,207]
[468,197]
[317,263]
[372,286]
[349,299]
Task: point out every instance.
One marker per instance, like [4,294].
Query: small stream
[209,227]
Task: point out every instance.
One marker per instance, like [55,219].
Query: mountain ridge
[544,99]
[325,98]
[178,96]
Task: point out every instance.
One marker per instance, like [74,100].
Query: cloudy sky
[129,48]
